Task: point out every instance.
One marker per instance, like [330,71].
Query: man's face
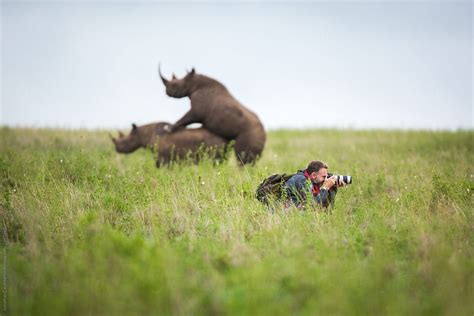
[320,176]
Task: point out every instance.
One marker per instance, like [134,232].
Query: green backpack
[271,188]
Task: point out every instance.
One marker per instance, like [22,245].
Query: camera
[345,178]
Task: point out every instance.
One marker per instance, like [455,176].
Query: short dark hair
[315,165]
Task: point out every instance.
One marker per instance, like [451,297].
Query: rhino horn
[174,76]
[165,81]
[120,134]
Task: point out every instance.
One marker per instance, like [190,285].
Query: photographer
[313,181]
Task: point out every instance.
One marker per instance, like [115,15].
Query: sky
[359,65]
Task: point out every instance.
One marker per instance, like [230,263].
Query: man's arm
[327,194]
[297,190]
[326,197]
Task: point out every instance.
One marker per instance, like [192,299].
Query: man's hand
[329,183]
[341,183]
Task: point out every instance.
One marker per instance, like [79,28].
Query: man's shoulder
[296,178]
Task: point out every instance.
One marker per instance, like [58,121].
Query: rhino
[181,145]
[217,110]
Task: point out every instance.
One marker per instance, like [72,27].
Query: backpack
[271,188]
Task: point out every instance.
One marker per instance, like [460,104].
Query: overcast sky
[322,64]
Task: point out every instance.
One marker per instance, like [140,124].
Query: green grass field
[89,231]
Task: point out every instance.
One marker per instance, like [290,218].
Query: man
[313,181]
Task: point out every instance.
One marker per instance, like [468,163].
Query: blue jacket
[298,188]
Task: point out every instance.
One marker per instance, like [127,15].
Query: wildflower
[203,183]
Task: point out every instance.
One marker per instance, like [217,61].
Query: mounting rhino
[218,111]
[181,145]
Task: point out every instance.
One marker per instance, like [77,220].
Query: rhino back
[147,134]
[189,142]
[190,139]
[222,114]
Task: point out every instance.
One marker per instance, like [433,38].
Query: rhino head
[180,88]
[140,136]
[128,143]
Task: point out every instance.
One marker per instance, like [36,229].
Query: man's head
[317,171]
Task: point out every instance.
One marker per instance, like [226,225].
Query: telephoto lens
[345,178]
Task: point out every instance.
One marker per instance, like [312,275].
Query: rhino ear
[112,138]
[192,71]
[134,126]
[174,76]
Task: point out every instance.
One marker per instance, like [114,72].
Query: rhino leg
[163,158]
[249,146]
[246,157]
[187,119]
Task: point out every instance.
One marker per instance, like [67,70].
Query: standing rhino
[183,144]
[218,111]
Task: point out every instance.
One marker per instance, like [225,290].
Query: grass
[89,231]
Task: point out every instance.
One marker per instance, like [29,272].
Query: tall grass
[89,231]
